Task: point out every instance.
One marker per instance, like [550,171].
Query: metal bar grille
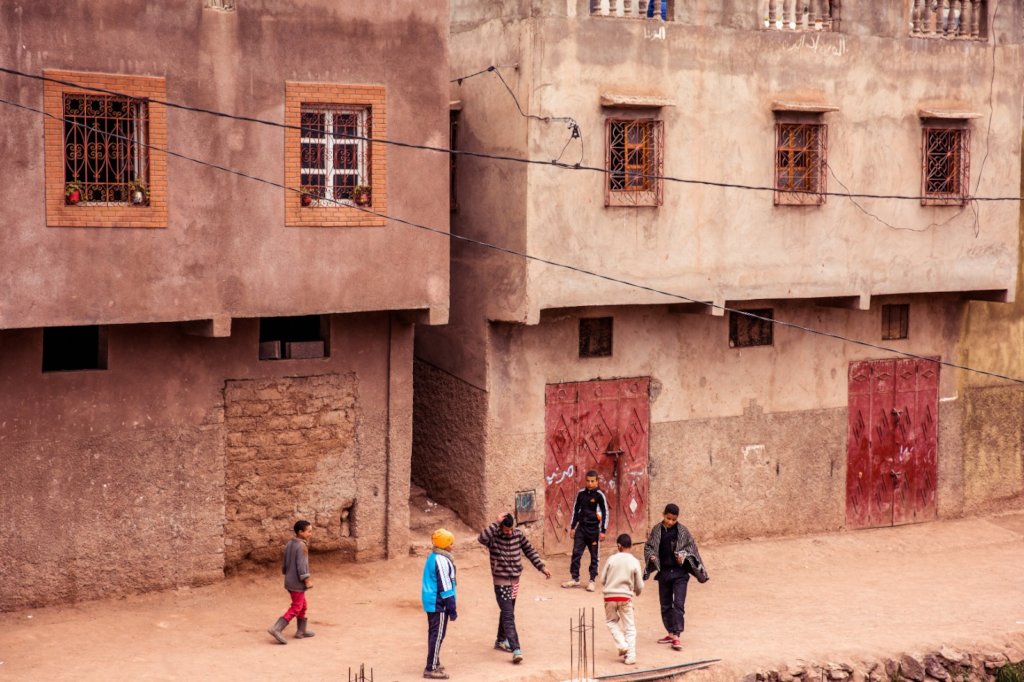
[104,148]
[946,166]
[800,163]
[335,155]
[746,331]
[634,161]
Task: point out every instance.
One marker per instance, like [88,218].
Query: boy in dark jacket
[438,599]
[672,552]
[587,528]
[507,544]
[296,581]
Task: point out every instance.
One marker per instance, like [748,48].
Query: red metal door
[605,428]
[561,427]
[892,436]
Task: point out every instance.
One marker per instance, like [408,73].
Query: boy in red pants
[296,581]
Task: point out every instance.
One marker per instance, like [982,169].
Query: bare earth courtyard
[843,597]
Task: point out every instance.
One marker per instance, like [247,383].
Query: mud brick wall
[291,453]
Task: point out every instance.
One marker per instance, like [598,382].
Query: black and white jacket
[590,510]
[686,549]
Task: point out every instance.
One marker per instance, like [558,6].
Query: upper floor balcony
[799,15]
[954,19]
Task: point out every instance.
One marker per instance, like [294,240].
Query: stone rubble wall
[292,451]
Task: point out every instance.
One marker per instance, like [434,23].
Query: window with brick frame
[634,159]
[106,156]
[945,163]
[335,173]
[104,159]
[336,154]
[801,160]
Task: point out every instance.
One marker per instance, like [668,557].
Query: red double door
[891,473]
[600,425]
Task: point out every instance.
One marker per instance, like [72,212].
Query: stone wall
[449,442]
[291,453]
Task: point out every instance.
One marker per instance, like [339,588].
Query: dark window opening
[70,349]
[294,338]
[596,337]
[453,144]
[895,321]
[745,331]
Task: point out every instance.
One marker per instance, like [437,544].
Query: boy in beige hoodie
[623,579]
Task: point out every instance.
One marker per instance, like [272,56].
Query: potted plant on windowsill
[138,192]
[72,193]
[361,195]
[306,196]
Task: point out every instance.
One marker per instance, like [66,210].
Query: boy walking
[506,545]
[438,599]
[587,528]
[672,552]
[623,580]
[296,581]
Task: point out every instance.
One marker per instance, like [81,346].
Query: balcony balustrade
[953,19]
[636,9]
[799,15]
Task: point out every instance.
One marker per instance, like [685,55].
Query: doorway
[604,426]
[892,464]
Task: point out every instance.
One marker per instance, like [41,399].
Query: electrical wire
[538,259]
[497,157]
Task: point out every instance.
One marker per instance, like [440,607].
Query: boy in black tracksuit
[588,527]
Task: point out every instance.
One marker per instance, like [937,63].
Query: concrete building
[193,359]
[753,424]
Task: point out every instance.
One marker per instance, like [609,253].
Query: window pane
[313,124]
[312,155]
[346,157]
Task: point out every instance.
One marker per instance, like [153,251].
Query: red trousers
[298,607]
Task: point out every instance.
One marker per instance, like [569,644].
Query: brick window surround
[114,214]
[343,97]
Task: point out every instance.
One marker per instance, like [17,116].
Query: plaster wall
[138,481]
[749,441]
[225,250]
[722,75]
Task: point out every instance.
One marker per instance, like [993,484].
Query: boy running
[587,528]
[623,580]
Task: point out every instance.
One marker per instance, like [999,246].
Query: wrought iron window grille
[746,331]
[800,163]
[335,154]
[946,166]
[635,162]
[106,157]
[595,337]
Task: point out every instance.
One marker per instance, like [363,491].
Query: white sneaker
[630,660]
[571,583]
[591,586]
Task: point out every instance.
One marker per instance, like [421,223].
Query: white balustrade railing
[627,8]
[797,15]
[959,19]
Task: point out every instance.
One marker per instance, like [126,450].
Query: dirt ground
[843,597]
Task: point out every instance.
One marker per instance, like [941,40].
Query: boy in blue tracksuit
[438,599]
